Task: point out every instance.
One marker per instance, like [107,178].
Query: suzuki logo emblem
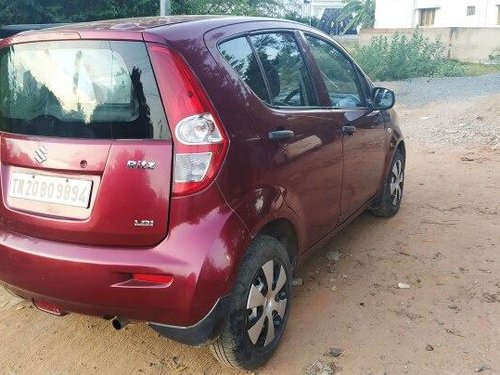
[41,154]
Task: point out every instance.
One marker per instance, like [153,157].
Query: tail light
[200,142]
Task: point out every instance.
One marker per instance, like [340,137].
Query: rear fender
[256,209]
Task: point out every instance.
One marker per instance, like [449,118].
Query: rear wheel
[259,308]
[392,191]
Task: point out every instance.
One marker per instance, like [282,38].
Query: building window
[471,10]
[498,16]
[426,17]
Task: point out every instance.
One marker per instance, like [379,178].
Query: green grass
[473,69]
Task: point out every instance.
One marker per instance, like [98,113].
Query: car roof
[148,23]
[151,29]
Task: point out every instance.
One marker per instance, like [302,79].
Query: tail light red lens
[154,279]
[200,142]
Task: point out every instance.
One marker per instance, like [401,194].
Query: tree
[49,11]
[361,11]
[270,8]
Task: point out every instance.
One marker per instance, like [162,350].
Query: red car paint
[85,260]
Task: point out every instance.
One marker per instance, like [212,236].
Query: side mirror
[383,98]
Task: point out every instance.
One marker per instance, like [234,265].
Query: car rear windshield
[80,89]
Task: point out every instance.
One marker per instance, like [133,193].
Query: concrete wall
[394,14]
[449,13]
[462,43]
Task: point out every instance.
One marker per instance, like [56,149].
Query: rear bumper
[101,285]
[92,281]
[97,280]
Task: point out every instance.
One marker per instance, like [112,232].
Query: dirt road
[444,244]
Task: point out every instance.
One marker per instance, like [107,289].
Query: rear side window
[287,82]
[80,89]
[239,54]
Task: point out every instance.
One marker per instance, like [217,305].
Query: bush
[403,57]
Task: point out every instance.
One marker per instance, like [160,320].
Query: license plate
[50,189]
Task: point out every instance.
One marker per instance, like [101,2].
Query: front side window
[80,89]
[340,76]
[288,80]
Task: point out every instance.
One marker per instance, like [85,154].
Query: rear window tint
[239,54]
[81,89]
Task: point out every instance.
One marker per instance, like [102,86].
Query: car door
[363,130]
[305,149]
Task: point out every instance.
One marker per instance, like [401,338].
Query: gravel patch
[461,112]
[421,91]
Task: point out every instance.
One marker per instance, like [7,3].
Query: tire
[392,191]
[246,340]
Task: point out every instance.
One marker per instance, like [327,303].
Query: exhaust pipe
[119,323]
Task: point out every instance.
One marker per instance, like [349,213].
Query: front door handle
[278,135]
[348,130]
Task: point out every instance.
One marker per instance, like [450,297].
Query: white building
[315,8]
[437,13]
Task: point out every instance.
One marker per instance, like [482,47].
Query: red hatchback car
[176,170]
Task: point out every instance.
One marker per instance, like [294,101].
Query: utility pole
[164,7]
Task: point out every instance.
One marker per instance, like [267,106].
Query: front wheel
[392,191]
[259,308]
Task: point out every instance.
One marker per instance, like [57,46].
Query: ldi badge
[143,223]
[141,164]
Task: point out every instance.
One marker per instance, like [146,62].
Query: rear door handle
[278,135]
[348,130]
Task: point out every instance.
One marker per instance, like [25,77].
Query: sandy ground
[444,244]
